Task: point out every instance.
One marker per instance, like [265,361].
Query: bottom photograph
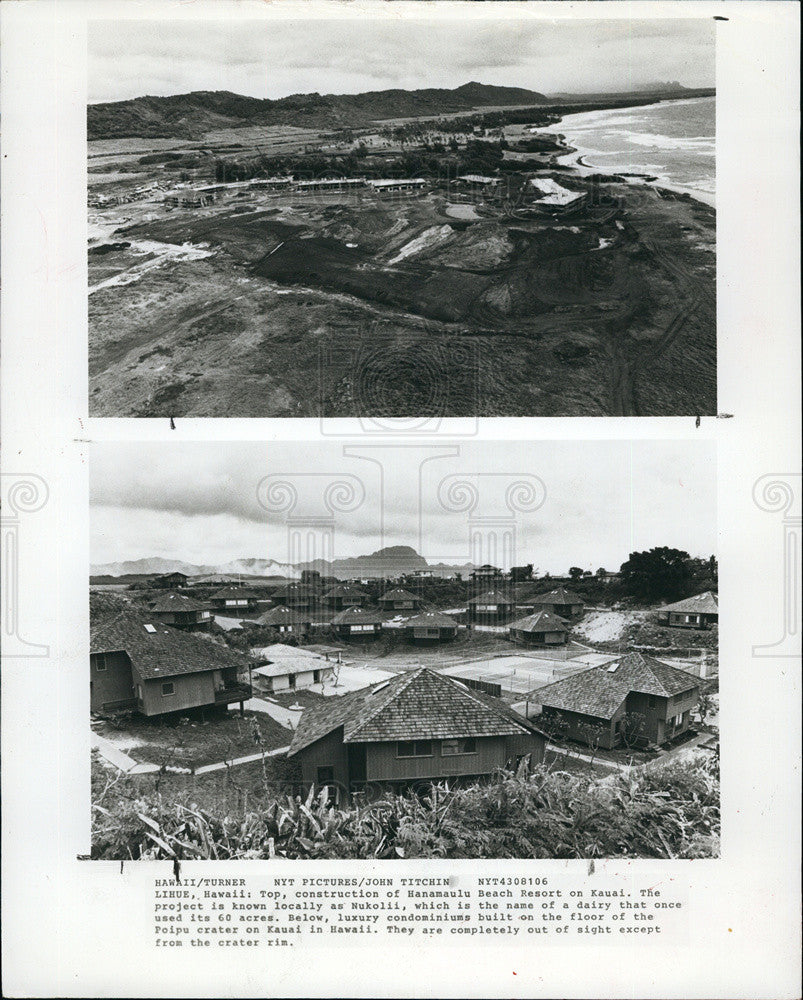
[499,649]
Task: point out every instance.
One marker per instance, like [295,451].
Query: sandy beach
[585,133]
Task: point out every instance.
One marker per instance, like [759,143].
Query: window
[414,748]
[100,663]
[167,689]
[316,677]
[432,633]
[362,628]
[325,775]
[450,748]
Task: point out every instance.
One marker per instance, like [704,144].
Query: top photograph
[401,218]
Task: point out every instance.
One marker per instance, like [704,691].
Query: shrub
[670,811]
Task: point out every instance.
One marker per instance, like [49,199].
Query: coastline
[580,159]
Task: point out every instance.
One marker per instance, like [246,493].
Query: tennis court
[516,674]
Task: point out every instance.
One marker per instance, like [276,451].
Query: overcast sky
[199,502]
[129,58]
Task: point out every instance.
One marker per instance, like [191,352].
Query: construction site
[523,292]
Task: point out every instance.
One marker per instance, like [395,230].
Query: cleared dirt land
[406,304]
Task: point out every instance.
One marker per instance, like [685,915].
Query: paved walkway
[284,716]
[627,768]
[575,755]
[113,755]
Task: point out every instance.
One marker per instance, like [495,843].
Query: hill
[190,116]
[394,560]
[155,566]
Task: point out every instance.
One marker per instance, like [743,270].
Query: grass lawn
[307,699]
[195,739]
[562,762]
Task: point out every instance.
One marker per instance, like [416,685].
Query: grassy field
[195,739]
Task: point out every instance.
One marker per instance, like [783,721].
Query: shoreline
[575,157]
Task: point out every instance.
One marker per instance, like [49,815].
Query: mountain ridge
[391,560]
[191,115]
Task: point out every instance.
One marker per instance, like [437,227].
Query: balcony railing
[231,693]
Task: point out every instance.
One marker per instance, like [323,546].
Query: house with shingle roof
[699,611]
[430,627]
[399,600]
[234,600]
[494,607]
[635,698]
[180,611]
[559,602]
[298,596]
[345,595]
[140,664]
[421,726]
[357,623]
[285,620]
[170,581]
[539,629]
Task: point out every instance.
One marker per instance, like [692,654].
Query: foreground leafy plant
[669,811]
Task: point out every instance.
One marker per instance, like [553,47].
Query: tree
[707,706]
[602,573]
[575,573]
[659,574]
[520,573]
[633,724]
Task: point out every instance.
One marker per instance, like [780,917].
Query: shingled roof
[175,602]
[345,590]
[357,616]
[701,604]
[420,705]
[492,597]
[157,650]
[281,616]
[233,593]
[541,621]
[295,590]
[601,690]
[399,595]
[558,596]
[430,619]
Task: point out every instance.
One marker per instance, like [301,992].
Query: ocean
[673,141]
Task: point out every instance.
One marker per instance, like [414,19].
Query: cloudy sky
[595,501]
[130,58]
